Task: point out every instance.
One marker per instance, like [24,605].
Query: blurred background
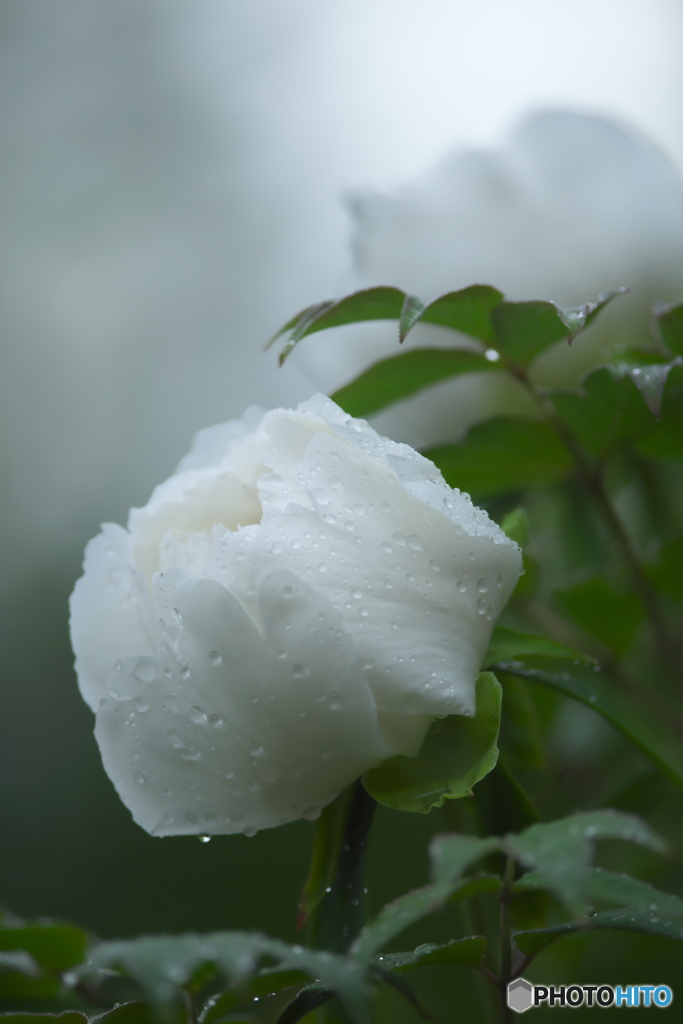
[173,187]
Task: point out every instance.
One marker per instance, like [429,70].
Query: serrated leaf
[561,850]
[503,455]
[582,684]
[665,440]
[381,303]
[532,942]
[398,377]
[457,752]
[506,644]
[166,965]
[608,410]
[670,323]
[602,886]
[469,951]
[515,525]
[613,617]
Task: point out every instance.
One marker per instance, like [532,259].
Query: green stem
[506,936]
[334,904]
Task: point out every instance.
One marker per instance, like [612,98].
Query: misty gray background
[172,188]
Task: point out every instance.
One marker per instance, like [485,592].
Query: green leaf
[410,908]
[532,942]
[521,740]
[502,455]
[329,835]
[525,329]
[19,960]
[167,965]
[469,951]
[670,323]
[267,982]
[561,850]
[403,375]
[56,947]
[515,525]
[608,411]
[305,1002]
[402,986]
[380,303]
[665,440]
[611,616]
[506,644]
[456,754]
[649,377]
[127,1013]
[467,311]
[583,685]
[603,886]
[451,855]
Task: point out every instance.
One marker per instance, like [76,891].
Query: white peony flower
[292,607]
[571,206]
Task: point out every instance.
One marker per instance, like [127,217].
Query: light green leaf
[561,850]
[532,942]
[515,525]
[403,375]
[503,455]
[456,754]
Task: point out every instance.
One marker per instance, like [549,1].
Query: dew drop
[492,355]
[204,838]
[141,704]
[363,611]
[185,672]
[335,482]
[198,716]
[321,497]
[335,700]
[287,592]
[357,593]
[249,831]
[482,585]
[482,606]
[461,586]
[414,542]
[298,671]
[386,547]
[215,658]
[311,813]
[236,817]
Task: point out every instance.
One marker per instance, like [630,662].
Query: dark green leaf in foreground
[506,644]
[583,684]
[503,455]
[55,947]
[467,311]
[532,942]
[608,410]
[403,375]
[305,1002]
[670,323]
[456,754]
[561,851]
[610,615]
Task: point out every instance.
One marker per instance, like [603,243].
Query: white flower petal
[248,728]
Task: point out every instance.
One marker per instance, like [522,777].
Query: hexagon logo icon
[520,995]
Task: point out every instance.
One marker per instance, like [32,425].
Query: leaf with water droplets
[532,942]
[457,752]
[602,886]
[507,644]
[560,851]
[584,684]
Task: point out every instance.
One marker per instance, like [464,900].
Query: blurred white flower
[572,206]
[291,608]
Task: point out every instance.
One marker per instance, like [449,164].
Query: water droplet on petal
[198,716]
[204,837]
[215,658]
[482,585]
[414,542]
